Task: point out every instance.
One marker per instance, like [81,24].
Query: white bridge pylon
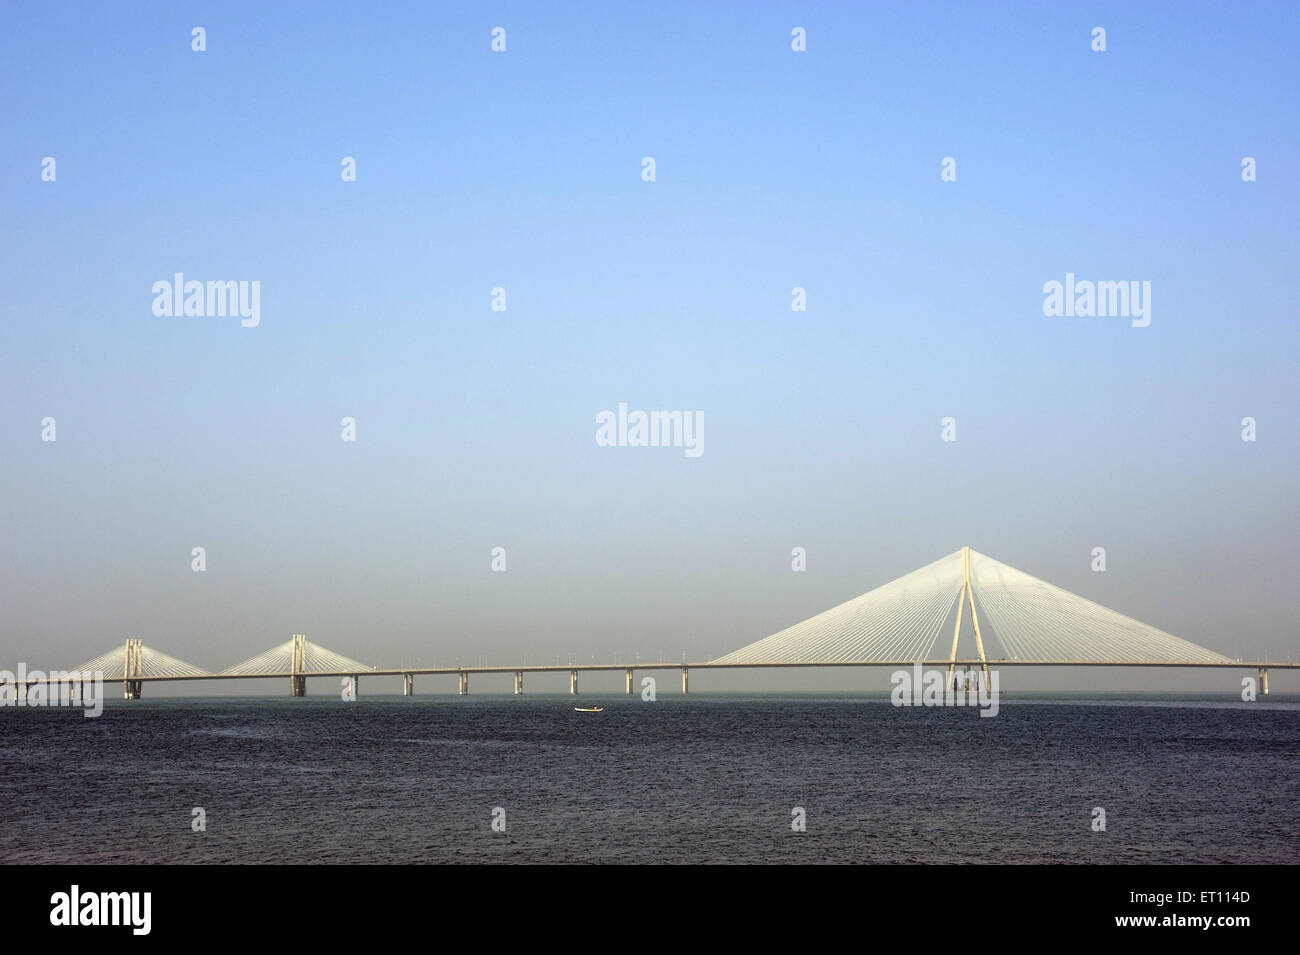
[298,655]
[134,659]
[1015,617]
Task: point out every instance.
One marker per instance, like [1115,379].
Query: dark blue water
[694,779]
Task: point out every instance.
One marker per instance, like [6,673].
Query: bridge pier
[131,689]
[686,680]
[464,683]
[519,683]
[408,684]
[356,686]
[629,682]
[297,663]
[1263,681]
[573,683]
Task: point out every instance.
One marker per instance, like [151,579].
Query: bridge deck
[623,667]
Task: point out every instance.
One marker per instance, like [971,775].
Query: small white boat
[589,709]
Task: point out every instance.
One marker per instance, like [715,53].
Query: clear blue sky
[476,428]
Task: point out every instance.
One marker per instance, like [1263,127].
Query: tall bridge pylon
[299,658]
[963,599]
[1016,618]
[133,660]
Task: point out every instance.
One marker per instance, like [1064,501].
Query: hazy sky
[522,169]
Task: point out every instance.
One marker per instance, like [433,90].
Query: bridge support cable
[299,658]
[1022,617]
[133,660]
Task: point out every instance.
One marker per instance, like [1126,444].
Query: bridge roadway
[782,665]
[573,669]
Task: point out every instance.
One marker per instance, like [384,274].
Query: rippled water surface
[684,779]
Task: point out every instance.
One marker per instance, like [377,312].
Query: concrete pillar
[629,681]
[408,684]
[297,662]
[1263,681]
[519,682]
[464,683]
[686,680]
[573,682]
[356,686]
[131,689]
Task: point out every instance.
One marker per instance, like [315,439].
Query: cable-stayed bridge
[1003,616]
